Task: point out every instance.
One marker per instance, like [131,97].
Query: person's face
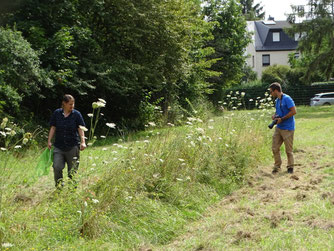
[273,93]
[69,106]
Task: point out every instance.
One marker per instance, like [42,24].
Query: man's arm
[82,139]
[51,134]
[291,113]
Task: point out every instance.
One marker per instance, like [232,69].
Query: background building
[270,44]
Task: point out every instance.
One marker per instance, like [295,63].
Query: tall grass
[134,193]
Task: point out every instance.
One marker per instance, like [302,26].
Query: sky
[277,8]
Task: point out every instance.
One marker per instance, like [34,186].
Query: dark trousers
[60,157]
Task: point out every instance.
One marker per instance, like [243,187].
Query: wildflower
[210,127]
[178,179]
[234,108]
[28,135]
[104,149]
[151,123]
[17,147]
[79,212]
[83,128]
[156,175]
[161,160]
[3,149]
[98,104]
[4,122]
[3,133]
[228,96]
[170,124]
[103,137]
[192,143]
[102,100]
[7,245]
[95,201]
[251,100]
[85,204]
[90,115]
[243,94]
[182,160]
[12,133]
[146,141]
[200,130]
[111,125]
[25,141]
[189,123]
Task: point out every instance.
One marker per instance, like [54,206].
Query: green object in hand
[44,162]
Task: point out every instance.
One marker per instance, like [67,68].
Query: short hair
[276,86]
[67,98]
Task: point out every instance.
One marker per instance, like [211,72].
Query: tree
[251,11]
[119,50]
[230,41]
[21,77]
[316,33]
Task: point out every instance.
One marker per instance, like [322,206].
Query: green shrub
[275,73]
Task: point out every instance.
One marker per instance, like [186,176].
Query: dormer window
[276,36]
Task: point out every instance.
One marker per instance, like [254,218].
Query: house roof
[263,36]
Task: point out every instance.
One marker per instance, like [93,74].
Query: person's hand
[82,146]
[273,117]
[49,145]
[279,120]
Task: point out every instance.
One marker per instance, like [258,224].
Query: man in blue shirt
[284,132]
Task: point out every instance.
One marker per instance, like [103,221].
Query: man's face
[273,93]
[69,106]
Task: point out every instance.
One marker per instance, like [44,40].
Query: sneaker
[290,169]
[276,169]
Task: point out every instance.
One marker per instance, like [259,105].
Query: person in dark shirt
[67,125]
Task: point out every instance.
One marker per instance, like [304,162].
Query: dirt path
[272,212]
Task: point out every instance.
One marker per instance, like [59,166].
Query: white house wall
[276,57]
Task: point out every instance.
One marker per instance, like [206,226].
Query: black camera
[274,122]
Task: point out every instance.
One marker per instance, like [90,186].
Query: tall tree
[119,50]
[316,37]
[251,11]
[230,41]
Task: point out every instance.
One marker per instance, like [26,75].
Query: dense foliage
[134,54]
[316,39]
[252,11]
[230,40]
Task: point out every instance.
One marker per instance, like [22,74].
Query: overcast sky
[277,8]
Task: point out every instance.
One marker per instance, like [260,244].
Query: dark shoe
[276,169]
[290,169]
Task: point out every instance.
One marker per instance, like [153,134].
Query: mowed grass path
[277,212]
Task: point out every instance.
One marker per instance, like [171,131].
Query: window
[297,36]
[296,54]
[265,59]
[276,36]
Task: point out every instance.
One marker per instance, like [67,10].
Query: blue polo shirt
[283,106]
[67,135]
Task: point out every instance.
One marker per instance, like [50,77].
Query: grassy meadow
[143,191]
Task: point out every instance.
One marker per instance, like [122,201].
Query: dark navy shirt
[283,106]
[67,135]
